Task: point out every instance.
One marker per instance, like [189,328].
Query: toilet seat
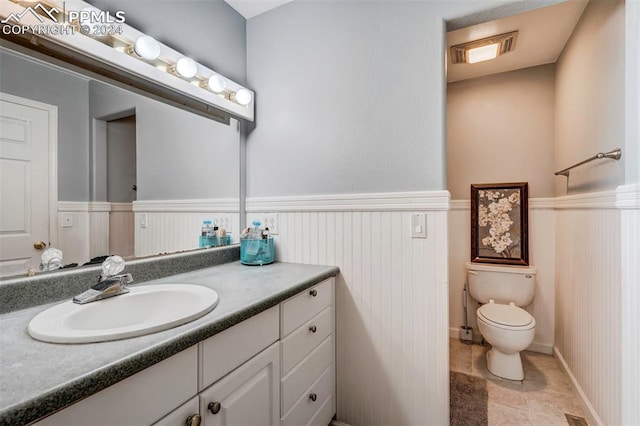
[508,317]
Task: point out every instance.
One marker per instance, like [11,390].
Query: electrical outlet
[67,220]
[143,220]
[267,220]
[270,220]
[222,221]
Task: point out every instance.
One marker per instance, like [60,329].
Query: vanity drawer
[305,408]
[302,341]
[305,373]
[179,416]
[164,386]
[305,306]
[220,354]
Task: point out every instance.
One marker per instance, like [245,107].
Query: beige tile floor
[541,399]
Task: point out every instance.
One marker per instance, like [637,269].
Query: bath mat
[468,398]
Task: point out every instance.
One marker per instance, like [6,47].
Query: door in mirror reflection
[121,184]
[28,130]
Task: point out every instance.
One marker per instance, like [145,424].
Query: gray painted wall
[590,99]
[500,128]
[350,96]
[210,32]
[179,155]
[70,94]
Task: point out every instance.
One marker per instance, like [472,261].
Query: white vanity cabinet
[275,368]
[307,330]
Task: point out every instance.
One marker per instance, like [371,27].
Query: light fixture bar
[483,49]
[119,52]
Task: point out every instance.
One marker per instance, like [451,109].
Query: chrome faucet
[108,284]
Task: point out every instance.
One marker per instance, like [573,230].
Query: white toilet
[507,327]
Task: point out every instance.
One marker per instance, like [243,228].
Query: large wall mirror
[95,169]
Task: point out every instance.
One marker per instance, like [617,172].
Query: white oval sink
[144,310]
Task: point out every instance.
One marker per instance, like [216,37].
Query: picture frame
[500,223]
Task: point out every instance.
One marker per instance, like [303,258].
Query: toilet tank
[515,284]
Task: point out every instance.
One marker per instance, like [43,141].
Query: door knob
[194,420]
[313,329]
[39,245]
[313,397]
[313,292]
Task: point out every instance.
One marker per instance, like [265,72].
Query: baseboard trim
[541,348]
[337,423]
[590,412]
[388,201]
[454,333]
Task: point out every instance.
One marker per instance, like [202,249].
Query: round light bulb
[147,47]
[186,67]
[243,97]
[216,83]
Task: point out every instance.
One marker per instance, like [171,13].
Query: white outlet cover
[67,220]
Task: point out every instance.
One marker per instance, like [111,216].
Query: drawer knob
[214,407]
[313,329]
[313,292]
[194,420]
[313,397]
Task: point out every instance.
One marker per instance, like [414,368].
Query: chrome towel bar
[616,154]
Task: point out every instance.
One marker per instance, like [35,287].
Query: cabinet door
[187,414]
[249,395]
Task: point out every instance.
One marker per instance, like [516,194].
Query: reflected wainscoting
[143,228]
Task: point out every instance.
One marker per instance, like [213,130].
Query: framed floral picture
[499,223]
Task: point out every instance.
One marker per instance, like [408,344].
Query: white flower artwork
[498,233]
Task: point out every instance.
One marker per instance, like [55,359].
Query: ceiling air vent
[483,49]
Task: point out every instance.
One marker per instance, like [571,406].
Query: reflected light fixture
[242,96]
[484,49]
[216,83]
[145,47]
[184,67]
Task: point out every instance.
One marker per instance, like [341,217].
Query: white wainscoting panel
[588,301]
[541,255]
[628,201]
[121,230]
[175,225]
[99,229]
[74,241]
[391,299]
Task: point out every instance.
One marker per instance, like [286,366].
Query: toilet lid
[510,315]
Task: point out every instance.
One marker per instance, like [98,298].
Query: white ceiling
[542,35]
[251,8]
[541,38]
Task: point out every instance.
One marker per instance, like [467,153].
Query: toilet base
[507,366]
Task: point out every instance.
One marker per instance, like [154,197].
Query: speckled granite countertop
[37,379]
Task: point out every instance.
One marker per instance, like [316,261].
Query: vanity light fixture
[145,62]
[216,83]
[145,47]
[484,49]
[184,67]
[242,96]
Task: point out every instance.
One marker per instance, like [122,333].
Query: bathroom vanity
[264,355]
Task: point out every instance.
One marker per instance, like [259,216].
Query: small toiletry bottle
[206,228]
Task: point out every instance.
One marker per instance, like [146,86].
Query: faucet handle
[112,265]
